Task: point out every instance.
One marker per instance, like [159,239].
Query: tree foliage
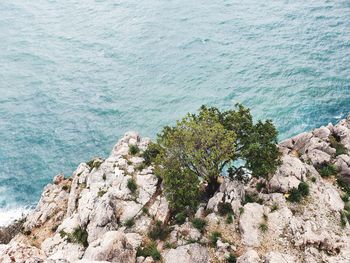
[200,146]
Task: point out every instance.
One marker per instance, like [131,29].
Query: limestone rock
[249,224]
[113,247]
[251,256]
[288,175]
[277,257]
[193,253]
[21,253]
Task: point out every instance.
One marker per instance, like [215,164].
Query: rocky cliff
[113,210]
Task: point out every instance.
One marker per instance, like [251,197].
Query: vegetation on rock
[201,146]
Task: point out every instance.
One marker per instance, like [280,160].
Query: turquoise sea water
[76,75]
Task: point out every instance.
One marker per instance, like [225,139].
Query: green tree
[200,144]
[255,144]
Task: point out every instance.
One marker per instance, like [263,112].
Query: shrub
[181,188]
[94,163]
[66,188]
[129,223]
[260,186]
[294,195]
[180,218]
[327,169]
[241,210]
[151,153]
[231,258]
[140,167]
[263,227]
[274,207]
[150,250]
[214,237]
[199,223]
[337,145]
[145,210]
[104,177]
[313,179]
[224,208]
[54,228]
[343,218]
[303,188]
[132,185]
[229,219]
[159,231]
[251,198]
[345,197]
[133,149]
[169,245]
[79,235]
[101,193]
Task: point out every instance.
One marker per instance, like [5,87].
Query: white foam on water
[10,214]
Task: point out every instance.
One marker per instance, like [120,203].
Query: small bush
[214,237]
[145,210]
[79,236]
[241,210]
[149,250]
[252,198]
[94,163]
[263,227]
[104,177]
[54,228]
[159,231]
[294,195]
[229,219]
[327,169]
[101,193]
[26,232]
[343,219]
[129,223]
[260,186]
[313,179]
[199,223]
[169,245]
[303,188]
[150,153]
[66,188]
[133,149]
[337,145]
[180,218]
[224,208]
[231,258]
[140,167]
[345,197]
[132,185]
[274,207]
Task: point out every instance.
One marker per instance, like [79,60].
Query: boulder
[288,175]
[251,256]
[277,257]
[192,253]
[21,253]
[249,224]
[113,247]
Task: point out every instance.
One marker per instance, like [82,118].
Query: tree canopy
[200,146]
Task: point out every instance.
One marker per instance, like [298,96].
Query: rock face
[105,211]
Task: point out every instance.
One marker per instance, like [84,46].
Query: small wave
[10,214]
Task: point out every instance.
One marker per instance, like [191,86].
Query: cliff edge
[114,210]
